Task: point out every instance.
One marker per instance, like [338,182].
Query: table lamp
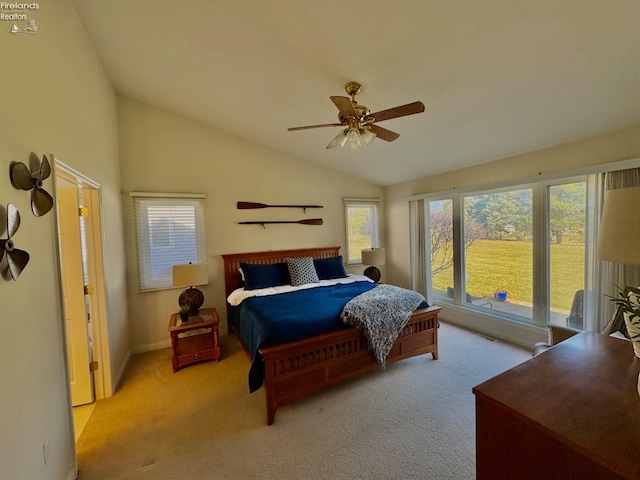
[619,241]
[188,275]
[373,257]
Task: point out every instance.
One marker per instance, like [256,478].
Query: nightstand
[195,340]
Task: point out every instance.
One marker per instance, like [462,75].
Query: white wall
[615,146]
[164,152]
[55,98]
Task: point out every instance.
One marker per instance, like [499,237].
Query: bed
[297,369]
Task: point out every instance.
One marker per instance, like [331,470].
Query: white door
[76,320]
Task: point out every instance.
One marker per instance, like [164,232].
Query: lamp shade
[619,235]
[373,256]
[188,275]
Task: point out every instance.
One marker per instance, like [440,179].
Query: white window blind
[362,225]
[169,231]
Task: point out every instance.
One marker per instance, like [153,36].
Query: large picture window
[169,231]
[522,253]
[497,246]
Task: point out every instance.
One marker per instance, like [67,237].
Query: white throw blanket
[382,313]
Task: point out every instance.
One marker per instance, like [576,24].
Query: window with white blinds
[363,228]
[169,231]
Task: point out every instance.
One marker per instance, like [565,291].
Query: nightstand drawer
[195,357]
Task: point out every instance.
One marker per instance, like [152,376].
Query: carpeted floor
[414,420]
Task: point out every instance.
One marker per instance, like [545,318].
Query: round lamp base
[193,298]
[373,273]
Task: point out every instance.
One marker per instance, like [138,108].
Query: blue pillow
[329,268]
[262,276]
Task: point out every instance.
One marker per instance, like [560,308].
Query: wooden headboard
[232,261]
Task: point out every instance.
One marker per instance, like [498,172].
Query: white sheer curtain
[614,274]
[418,246]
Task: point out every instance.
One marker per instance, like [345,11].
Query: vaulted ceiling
[497,77]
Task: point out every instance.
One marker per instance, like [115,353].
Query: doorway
[79,232]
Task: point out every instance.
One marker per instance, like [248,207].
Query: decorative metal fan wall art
[16,259]
[25,179]
[360,123]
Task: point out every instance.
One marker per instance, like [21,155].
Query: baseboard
[151,346]
[73,473]
[138,349]
[120,374]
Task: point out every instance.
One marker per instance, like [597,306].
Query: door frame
[92,194]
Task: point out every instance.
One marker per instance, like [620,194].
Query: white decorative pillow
[302,271]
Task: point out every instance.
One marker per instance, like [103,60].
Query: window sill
[169,287]
[502,327]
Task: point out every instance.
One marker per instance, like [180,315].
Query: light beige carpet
[414,420]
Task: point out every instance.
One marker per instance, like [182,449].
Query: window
[515,245]
[362,227]
[566,245]
[521,253]
[441,229]
[498,248]
[170,231]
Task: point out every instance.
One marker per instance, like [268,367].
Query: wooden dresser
[572,412]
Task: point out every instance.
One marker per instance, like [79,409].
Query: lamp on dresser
[188,275]
[373,257]
[619,242]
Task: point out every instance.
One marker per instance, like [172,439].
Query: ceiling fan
[360,123]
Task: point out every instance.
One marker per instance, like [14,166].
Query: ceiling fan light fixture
[353,134]
[367,135]
[339,140]
[354,138]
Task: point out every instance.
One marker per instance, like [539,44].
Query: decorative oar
[310,221]
[254,205]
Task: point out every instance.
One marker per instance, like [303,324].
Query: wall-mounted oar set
[253,205]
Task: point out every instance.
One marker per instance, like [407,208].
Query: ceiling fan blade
[401,111]
[383,133]
[293,129]
[345,106]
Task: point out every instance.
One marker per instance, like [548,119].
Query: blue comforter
[277,319]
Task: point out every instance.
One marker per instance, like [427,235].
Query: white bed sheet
[236,297]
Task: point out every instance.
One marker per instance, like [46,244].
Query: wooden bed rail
[299,369]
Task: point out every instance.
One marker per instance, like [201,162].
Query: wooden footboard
[298,369]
